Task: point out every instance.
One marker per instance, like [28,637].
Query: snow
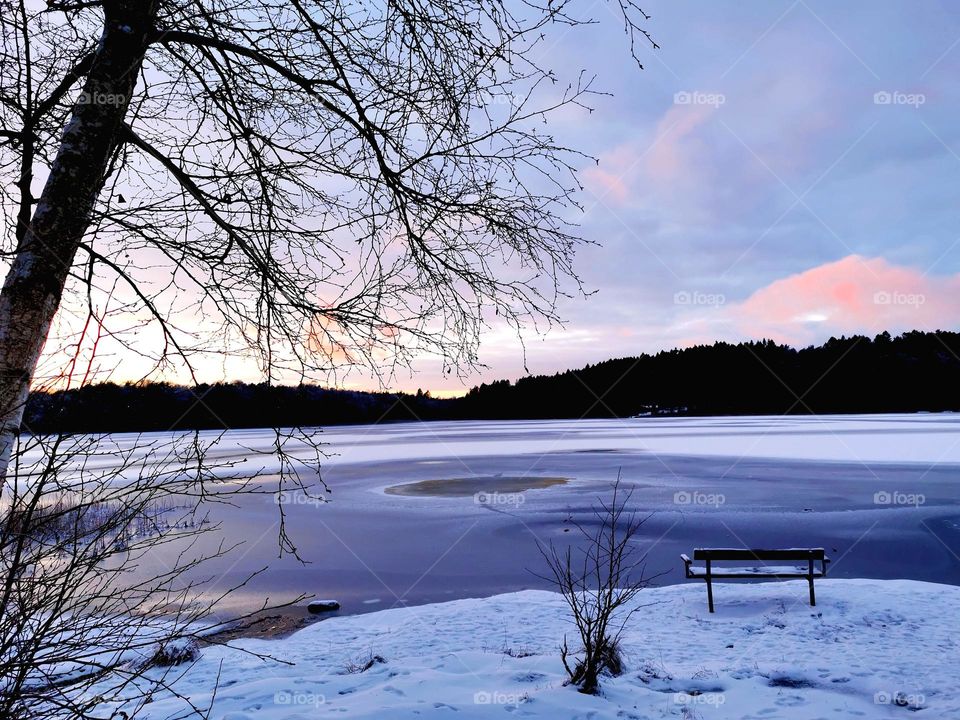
[894,438]
[922,438]
[870,649]
[781,570]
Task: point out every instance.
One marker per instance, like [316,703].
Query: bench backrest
[758,554]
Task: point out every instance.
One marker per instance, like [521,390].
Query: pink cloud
[677,153]
[606,185]
[851,295]
[670,157]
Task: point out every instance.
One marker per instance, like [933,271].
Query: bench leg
[710,594]
[813,597]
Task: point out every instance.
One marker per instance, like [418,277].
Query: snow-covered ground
[870,649]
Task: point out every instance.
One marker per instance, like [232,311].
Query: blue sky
[785,169]
[779,169]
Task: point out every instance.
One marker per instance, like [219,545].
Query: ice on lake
[880,492]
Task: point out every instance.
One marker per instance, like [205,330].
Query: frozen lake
[879,492]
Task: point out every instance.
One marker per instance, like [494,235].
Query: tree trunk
[43,258]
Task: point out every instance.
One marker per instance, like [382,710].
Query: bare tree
[311,185]
[90,601]
[599,579]
[318,184]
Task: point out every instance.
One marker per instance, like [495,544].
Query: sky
[783,169]
[778,169]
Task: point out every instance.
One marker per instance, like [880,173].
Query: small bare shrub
[175,652]
[599,579]
[361,665]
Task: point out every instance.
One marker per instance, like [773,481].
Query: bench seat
[814,565]
[787,571]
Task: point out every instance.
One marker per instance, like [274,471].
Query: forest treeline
[911,372]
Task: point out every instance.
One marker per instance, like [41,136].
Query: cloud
[666,161]
[679,152]
[608,185]
[851,295]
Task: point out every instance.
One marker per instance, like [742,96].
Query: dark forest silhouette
[915,371]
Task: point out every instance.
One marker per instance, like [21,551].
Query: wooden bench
[804,557]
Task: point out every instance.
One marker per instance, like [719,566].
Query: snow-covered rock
[323,606]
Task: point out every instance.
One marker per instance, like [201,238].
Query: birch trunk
[34,284]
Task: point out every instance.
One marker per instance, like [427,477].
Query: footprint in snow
[516,709]
[528,677]
[883,619]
